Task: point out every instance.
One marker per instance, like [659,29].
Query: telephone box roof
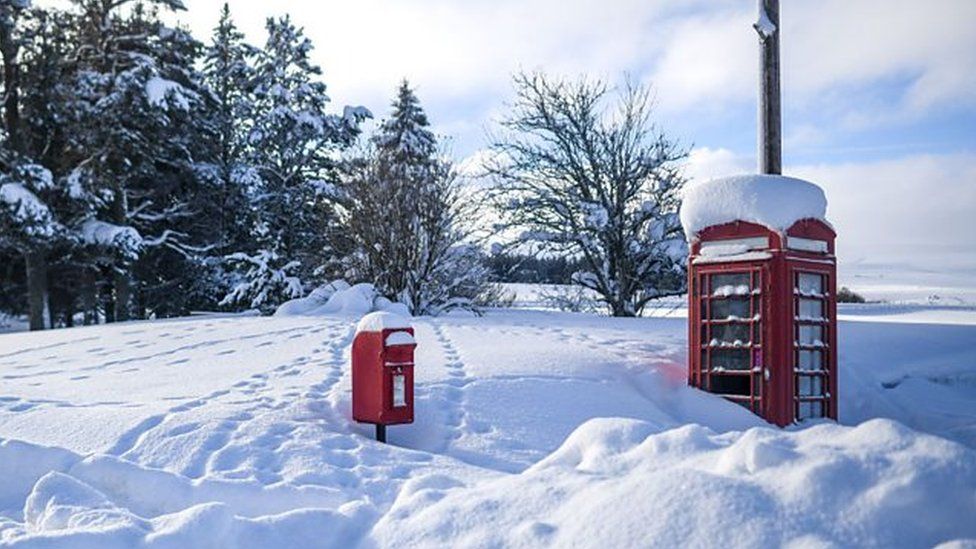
[774,201]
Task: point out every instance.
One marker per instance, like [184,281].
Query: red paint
[374,368]
[800,354]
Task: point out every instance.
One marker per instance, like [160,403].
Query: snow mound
[164,93]
[100,233]
[24,204]
[774,201]
[614,483]
[339,298]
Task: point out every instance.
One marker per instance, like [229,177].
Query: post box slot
[398,355]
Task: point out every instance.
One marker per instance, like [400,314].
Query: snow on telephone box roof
[774,201]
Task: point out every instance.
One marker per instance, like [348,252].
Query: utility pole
[770,126]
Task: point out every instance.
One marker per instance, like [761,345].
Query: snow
[25,205]
[773,201]
[399,338]
[764,26]
[379,321]
[161,92]
[100,233]
[533,428]
[339,298]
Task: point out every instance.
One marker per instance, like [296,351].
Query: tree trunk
[89,296]
[123,295]
[37,299]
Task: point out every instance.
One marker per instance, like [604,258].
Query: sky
[879,96]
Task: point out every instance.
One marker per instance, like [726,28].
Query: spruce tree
[293,145]
[407,220]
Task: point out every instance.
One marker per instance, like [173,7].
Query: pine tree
[133,113]
[407,219]
[229,76]
[293,146]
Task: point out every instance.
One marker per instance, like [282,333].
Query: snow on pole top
[381,320]
[774,201]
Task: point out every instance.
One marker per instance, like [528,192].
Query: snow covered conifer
[293,145]
[229,76]
[601,185]
[407,220]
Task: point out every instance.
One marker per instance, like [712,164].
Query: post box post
[382,371]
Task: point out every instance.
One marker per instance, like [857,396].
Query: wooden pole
[770,125]
[381,432]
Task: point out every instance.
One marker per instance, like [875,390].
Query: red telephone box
[382,371]
[763,317]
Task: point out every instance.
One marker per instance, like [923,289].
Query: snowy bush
[572,178]
[267,281]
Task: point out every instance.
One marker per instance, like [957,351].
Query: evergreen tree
[407,220]
[229,76]
[293,145]
[133,114]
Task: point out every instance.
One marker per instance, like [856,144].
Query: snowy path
[143,426]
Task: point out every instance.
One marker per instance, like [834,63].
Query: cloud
[915,210]
[923,48]
[705,163]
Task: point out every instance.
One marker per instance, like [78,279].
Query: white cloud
[705,163]
[711,60]
[913,211]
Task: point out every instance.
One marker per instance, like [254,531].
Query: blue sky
[879,95]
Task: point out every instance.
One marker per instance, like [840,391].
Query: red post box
[762,311]
[382,371]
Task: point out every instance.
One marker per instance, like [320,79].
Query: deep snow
[533,428]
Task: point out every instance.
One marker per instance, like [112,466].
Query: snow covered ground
[533,428]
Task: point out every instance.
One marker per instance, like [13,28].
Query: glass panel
[809,386]
[399,391]
[730,385]
[730,359]
[810,283]
[810,409]
[810,334]
[724,309]
[731,284]
[811,309]
[730,334]
[810,360]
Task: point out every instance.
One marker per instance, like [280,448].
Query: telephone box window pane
[810,360]
[811,334]
[730,359]
[730,385]
[722,309]
[731,284]
[810,283]
[809,386]
[730,334]
[399,391]
[810,409]
[811,309]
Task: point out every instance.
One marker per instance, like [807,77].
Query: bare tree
[580,169]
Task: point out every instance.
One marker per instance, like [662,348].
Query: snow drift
[774,201]
[339,298]
[618,483]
